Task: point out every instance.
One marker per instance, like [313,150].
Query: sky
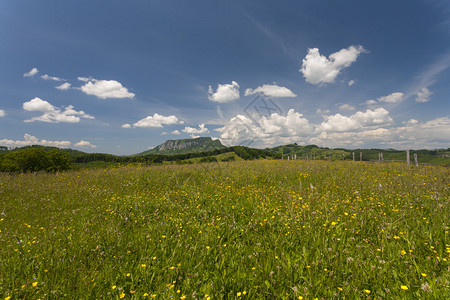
[122,77]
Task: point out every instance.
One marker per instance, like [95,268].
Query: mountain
[172,147]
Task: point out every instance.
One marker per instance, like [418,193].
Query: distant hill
[206,149]
[309,152]
[70,152]
[173,147]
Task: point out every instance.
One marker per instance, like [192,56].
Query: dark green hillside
[196,150]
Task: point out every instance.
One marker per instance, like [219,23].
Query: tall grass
[253,230]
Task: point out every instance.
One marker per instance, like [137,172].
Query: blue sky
[124,76]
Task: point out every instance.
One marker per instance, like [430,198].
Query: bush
[35,160]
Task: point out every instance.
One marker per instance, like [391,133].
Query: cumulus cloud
[31,73]
[271,90]
[85,144]
[346,107]
[32,140]
[2,113]
[64,86]
[126,125]
[156,121]
[52,114]
[86,79]
[104,89]
[351,82]
[225,93]
[275,129]
[392,98]
[372,128]
[371,102]
[430,131]
[54,78]
[357,121]
[431,134]
[411,122]
[201,130]
[176,131]
[423,95]
[322,111]
[318,69]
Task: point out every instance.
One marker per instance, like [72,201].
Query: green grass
[250,230]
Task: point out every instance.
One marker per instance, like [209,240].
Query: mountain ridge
[181,146]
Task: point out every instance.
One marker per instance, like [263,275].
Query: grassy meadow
[239,230]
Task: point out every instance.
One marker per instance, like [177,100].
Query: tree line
[34,160]
[49,159]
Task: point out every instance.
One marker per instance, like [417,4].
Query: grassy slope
[271,229]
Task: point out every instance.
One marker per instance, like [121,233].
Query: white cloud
[52,114]
[271,90]
[357,121]
[392,98]
[126,126]
[431,134]
[157,121]
[423,95]
[351,139]
[176,131]
[433,130]
[201,130]
[64,86]
[346,107]
[2,113]
[322,111]
[351,82]
[31,73]
[371,102]
[85,144]
[372,128]
[272,130]
[318,69]
[32,140]
[47,77]
[225,93]
[411,122]
[104,89]
[86,79]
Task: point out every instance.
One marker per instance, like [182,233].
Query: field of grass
[238,230]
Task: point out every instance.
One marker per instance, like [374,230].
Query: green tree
[35,160]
